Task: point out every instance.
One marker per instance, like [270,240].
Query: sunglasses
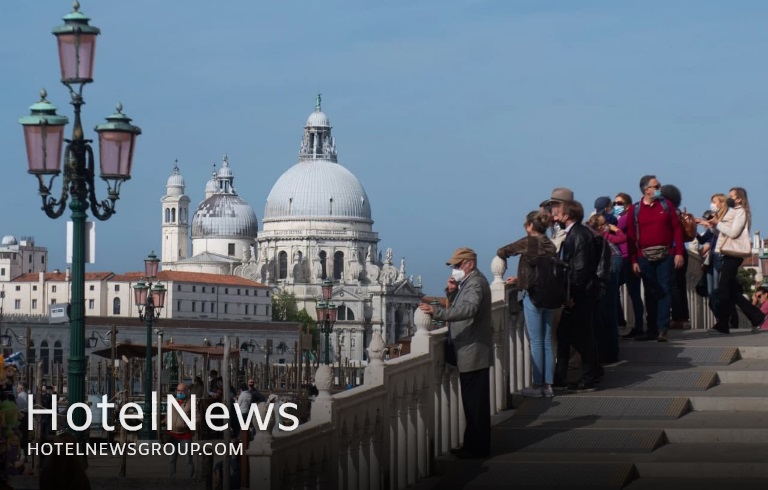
[619,203]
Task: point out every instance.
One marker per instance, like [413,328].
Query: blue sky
[457,117]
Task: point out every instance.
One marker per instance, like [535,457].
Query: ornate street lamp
[326,316]
[150,299]
[44,137]
[764,265]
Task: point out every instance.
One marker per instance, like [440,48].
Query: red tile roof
[181,324]
[198,277]
[61,276]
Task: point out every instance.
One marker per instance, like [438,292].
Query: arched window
[344,313]
[173,215]
[58,353]
[44,355]
[167,215]
[183,216]
[338,265]
[323,264]
[116,306]
[31,359]
[282,260]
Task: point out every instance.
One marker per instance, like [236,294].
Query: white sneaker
[547,392]
[531,392]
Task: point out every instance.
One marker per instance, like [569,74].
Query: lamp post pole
[149,310]
[44,138]
[326,317]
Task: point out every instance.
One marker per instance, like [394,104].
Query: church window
[345,313]
[116,306]
[324,273]
[44,353]
[282,259]
[231,249]
[183,216]
[167,215]
[212,307]
[178,305]
[226,308]
[338,265]
[398,324]
[58,353]
[173,215]
[194,306]
[246,309]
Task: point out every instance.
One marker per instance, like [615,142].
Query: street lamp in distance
[150,300]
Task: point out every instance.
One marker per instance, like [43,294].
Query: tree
[284,307]
[746,278]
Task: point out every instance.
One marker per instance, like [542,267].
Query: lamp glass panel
[150,266]
[116,154]
[158,296]
[327,289]
[764,265]
[320,311]
[140,292]
[332,313]
[44,144]
[77,53]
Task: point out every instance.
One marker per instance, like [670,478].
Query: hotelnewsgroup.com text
[135,448]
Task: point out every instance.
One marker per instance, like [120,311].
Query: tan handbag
[736,247]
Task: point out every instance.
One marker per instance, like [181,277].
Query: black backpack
[603,259]
[548,286]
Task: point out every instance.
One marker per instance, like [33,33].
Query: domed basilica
[317,224]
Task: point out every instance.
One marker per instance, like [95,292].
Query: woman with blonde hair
[733,242]
[538,321]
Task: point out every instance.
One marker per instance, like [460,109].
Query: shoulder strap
[636,207]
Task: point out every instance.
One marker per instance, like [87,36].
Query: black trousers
[577,329]
[730,294]
[476,398]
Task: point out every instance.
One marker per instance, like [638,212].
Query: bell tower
[175,220]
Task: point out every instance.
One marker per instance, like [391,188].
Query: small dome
[226,170]
[224,215]
[175,180]
[318,119]
[211,186]
[10,240]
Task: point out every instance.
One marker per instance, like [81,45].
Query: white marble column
[455,404]
[374,457]
[402,442]
[413,456]
[422,431]
[446,415]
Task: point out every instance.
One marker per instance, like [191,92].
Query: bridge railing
[386,433]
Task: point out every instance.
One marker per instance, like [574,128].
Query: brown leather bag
[688,223]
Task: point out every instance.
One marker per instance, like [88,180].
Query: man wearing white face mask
[470,337]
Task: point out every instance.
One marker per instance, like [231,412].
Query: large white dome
[317,189]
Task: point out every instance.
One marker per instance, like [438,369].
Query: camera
[708,215]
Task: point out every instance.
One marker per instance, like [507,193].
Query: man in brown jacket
[180,434]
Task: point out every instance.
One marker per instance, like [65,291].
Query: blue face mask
[618,210]
[181,396]
[657,194]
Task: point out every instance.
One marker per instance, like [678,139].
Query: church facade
[317,224]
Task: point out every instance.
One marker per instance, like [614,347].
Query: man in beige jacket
[470,338]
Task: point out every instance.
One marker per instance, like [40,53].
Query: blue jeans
[538,322]
[657,280]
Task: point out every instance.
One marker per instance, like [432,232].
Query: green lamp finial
[317,104]
[43,95]
[119,107]
[76,6]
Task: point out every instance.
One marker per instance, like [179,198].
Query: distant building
[317,224]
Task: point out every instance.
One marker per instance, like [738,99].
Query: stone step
[604,407]
[128,483]
[492,474]
[698,484]
[641,353]
[690,421]
[673,380]
[582,440]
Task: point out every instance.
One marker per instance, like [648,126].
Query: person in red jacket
[655,247]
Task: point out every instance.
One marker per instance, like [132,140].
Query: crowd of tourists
[626,243]
[569,277]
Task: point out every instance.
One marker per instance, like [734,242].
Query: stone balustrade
[386,433]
